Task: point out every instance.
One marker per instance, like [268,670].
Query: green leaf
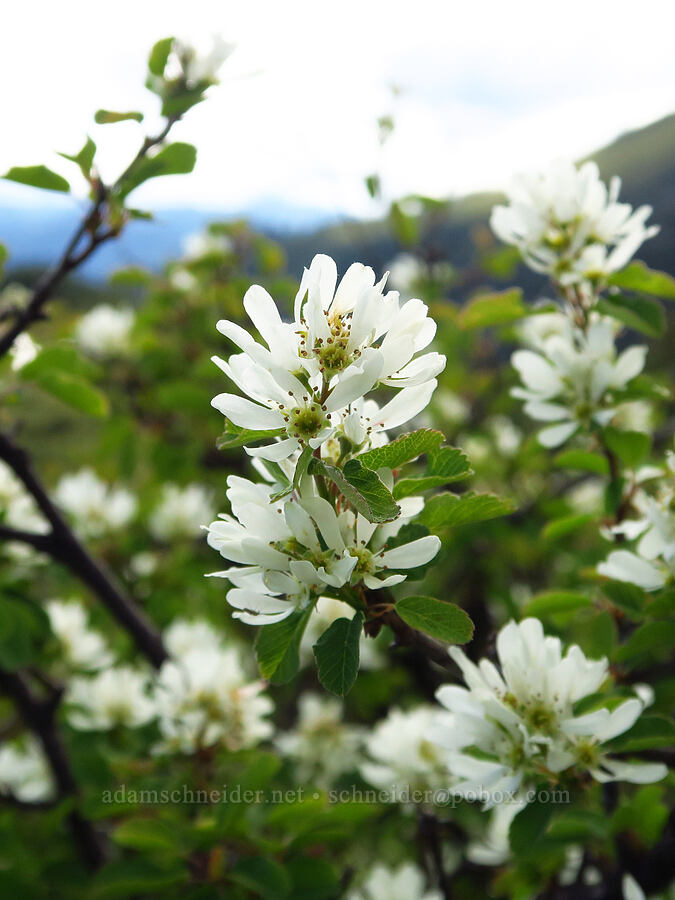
[583,461]
[647,733]
[403,450]
[565,526]
[301,466]
[266,878]
[313,878]
[85,158]
[630,446]
[438,618]
[174,159]
[159,56]
[449,509]
[638,277]
[108,117]
[146,834]
[578,826]
[643,814]
[39,177]
[528,827]
[405,227]
[373,185]
[361,487]
[641,313]
[499,308]
[628,597]
[444,466]
[24,627]
[72,390]
[63,357]
[137,877]
[337,654]
[234,436]
[552,602]
[649,639]
[277,647]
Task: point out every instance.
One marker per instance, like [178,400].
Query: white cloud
[488,88]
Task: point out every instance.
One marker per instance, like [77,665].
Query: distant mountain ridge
[644,158]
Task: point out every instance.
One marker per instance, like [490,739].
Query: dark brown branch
[39,716]
[41,542]
[64,546]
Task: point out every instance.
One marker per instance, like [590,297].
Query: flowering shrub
[436,660]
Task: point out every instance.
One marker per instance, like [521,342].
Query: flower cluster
[403,883]
[514,725]
[81,646]
[24,772]
[105,331]
[95,507]
[181,512]
[652,565]
[569,225]
[571,377]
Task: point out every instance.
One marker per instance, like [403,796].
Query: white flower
[201,63]
[522,719]
[23,351]
[95,507]
[631,890]
[117,696]
[325,612]
[82,647]
[402,755]
[321,745]
[567,224]
[203,698]
[290,552]
[183,636]
[18,510]
[405,271]
[535,330]
[24,771]
[302,384]
[105,331]
[405,883]
[570,381]
[181,512]
[204,243]
[653,565]
[494,848]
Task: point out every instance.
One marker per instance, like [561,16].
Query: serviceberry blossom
[95,507]
[652,565]
[204,697]
[23,351]
[322,746]
[571,380]
[401,755]
[105,331]
[181,512]
[118,696]
[205,243]
[344,341]
[24,772]
[405,883]
[493,848]
[568,224]
[82,647]
[288,553]
[201,63]
[516,723]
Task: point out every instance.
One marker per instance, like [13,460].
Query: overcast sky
[487,88]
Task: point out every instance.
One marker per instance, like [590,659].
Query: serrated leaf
[552,602]
[448,509]
[565,526]
[362,488]
[174,159]
[644,314]
[39,177]
[639,277]
[648,732]
[337,654]
[277,647]
[109,117]
[499,308]
[444,466]
[630,446]
[159,56]
[583,461]
[438,618]
[403,450]
[234,436]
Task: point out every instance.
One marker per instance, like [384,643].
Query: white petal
[416,553]
[247,414]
